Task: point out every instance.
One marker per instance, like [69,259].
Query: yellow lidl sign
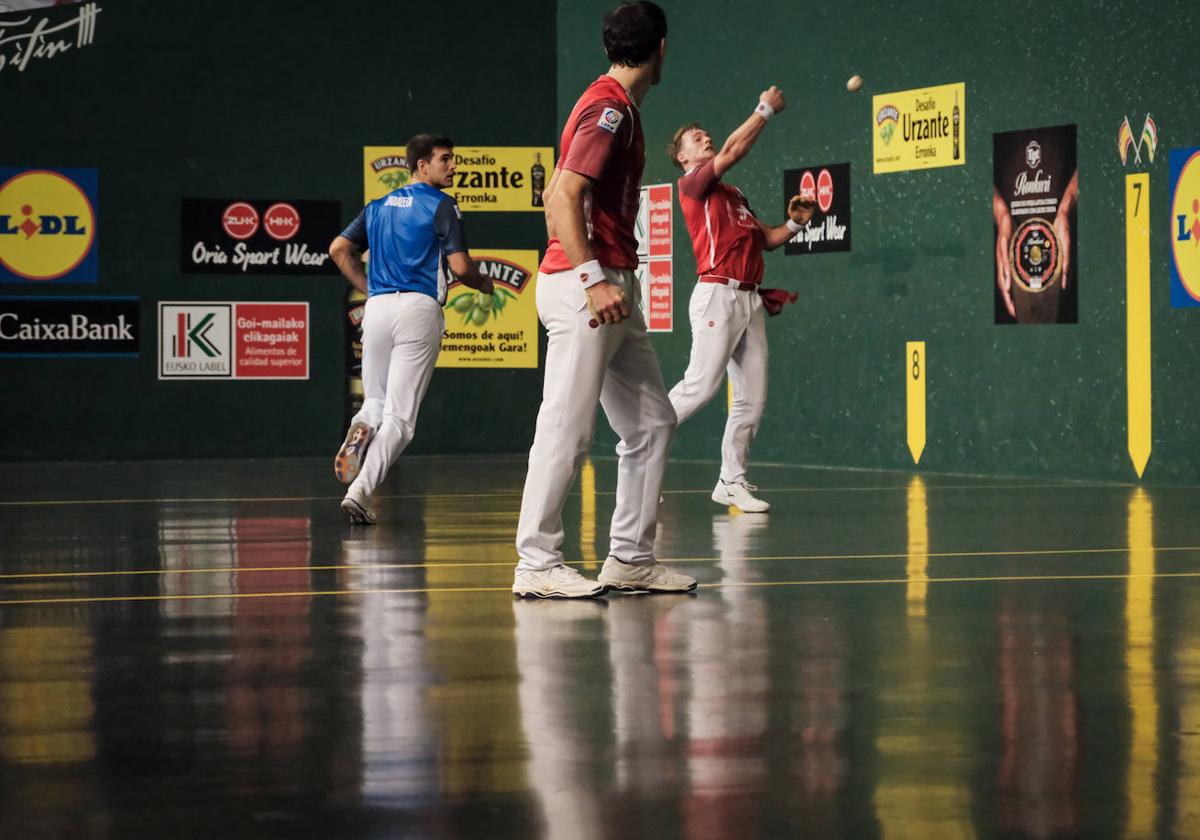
[486,178]
[921,128]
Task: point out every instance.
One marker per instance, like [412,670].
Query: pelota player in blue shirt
[417,248]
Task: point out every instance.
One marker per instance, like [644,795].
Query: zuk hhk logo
[48,225]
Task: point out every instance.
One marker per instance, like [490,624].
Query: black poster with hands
[1036,247]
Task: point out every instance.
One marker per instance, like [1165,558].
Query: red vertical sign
[659,301]
[271,340]
[659,232]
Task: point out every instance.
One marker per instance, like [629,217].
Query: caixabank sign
[68,326]
[48,225]
[257,236]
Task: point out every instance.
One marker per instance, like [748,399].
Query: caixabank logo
[41,325]
[48,225]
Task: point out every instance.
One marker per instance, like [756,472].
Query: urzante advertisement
[486,178]
[497,330]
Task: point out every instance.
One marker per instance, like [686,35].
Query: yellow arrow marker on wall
[914,374]
[1137,306]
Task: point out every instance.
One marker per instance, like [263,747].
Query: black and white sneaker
[357,511]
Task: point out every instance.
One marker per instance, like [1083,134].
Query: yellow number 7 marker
[1137,306]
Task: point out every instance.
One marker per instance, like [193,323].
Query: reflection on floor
[212,650]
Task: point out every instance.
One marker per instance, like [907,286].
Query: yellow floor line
[1043,552]
[475,589]
[517,493]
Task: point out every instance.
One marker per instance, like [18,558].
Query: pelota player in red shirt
[726,309]
[588,276]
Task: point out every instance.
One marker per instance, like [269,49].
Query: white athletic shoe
[738,494]
[350,457]
[555,582]
[655,577]
[358,511]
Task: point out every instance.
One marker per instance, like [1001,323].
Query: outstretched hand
[801,208]
[773,96]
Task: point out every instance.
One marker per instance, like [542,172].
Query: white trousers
[615,365]
[402,333]
[729,334]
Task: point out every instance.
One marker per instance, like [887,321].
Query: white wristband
[590,273]
[764,110]
[794,226]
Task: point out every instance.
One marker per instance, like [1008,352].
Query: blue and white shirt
[409,232]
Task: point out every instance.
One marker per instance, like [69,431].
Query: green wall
[258,100]
[1024,400]
[276,99]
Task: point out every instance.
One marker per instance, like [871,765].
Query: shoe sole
[357,513]
[558,595]
[732,503]
[647,590]
[347,462]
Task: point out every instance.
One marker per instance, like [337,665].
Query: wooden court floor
[205,648]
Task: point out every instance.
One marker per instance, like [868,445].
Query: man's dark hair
[677,141]
[421,148]
[633,31]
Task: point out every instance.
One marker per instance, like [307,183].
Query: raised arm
[738,144]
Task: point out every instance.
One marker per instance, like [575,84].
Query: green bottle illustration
[537,177]
[954,118]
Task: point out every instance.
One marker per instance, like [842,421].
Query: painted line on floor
[499,494]
[901,555]
[448,590]
[511,563]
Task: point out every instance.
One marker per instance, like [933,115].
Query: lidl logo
[48,225]
[1185,227]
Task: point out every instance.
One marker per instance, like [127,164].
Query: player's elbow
[729,155]
[460,266]
[340,247]
[559,205]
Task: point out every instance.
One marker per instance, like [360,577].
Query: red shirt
[726,238]
[602,140]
